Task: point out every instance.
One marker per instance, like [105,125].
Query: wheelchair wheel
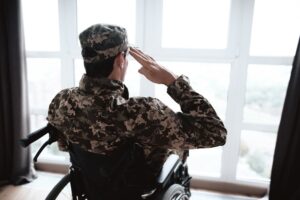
[58,188]
[175,192]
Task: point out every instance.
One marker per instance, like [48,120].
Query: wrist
[179,88]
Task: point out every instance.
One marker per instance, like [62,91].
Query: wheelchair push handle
[53,137]
[35,136]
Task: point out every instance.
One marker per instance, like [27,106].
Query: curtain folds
[285,178]
[15,161]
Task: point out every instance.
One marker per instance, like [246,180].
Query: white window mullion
[140,23]
[140,39]
[233,30]
[152,38]
[237,90]
[153,25]
[68,34]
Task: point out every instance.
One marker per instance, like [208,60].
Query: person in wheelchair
[99,119]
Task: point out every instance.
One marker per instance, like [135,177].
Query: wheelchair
[121,175]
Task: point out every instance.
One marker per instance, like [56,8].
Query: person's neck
[115,76]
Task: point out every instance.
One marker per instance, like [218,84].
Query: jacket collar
[103,86]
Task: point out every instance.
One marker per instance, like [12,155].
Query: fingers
[141,57]
[138,57]
[143,71]
[148,74]
[147,57]
[139,52]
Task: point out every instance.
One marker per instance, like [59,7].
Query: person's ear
[119,60]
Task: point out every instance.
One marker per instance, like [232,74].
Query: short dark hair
[101,68]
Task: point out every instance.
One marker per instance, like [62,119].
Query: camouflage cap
[102,41]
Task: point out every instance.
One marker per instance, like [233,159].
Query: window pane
[195,23]
[118,12]
[43,82]
[132,78]
[256,155]
[210,80]
[205,162]
[41,25]
[275,28]
[266,88]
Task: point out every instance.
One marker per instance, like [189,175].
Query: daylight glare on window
[39,18]
[276,28]
[195,24]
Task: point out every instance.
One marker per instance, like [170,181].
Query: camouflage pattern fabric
[102,41]
[99,116]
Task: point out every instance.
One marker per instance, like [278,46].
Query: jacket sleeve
[197,126]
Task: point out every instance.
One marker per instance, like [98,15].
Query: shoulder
[66,93]
[63,94]
[61,97]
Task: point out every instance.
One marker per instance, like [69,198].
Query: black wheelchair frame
[173,183]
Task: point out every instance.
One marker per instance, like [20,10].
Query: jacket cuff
[179,87]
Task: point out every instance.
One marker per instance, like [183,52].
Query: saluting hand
[151,69]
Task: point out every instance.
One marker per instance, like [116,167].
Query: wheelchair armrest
[168,168]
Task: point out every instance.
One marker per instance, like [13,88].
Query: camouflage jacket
[99,116]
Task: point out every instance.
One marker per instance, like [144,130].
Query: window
[233,52]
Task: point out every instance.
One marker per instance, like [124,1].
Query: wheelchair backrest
[124,168]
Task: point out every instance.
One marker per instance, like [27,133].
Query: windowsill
[198,182]
[61,167]
[238,187]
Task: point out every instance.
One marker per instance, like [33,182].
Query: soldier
[99,115]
